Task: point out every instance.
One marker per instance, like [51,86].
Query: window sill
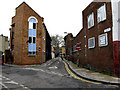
[90,27]
[102,21]
[32,55]
[103,46]
[91,47]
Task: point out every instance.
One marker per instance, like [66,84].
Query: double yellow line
[75,76]
[49,63]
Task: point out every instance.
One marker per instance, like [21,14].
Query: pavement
[91,75]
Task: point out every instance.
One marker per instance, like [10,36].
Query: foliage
[57,40]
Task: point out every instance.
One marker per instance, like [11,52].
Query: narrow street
[51,74]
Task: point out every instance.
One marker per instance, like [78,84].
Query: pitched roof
[29,7]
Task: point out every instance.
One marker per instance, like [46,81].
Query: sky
[59,15]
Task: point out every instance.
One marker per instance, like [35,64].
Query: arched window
[32,35]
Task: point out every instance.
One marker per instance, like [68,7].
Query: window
[34,25]
[34,40]
[91,20]
[91,42]
[101,13]
[30,39]
[103,40]
[32,36]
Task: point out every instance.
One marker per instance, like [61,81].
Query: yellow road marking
[49,64]
[72,74]
[115,86]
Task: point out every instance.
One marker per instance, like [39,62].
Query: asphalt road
[51,74]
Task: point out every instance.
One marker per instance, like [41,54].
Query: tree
[57,42]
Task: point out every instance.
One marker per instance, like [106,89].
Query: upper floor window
[32,23]
[32,35]
[91,20]
[101,13]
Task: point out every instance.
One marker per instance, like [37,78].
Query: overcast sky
[59,15]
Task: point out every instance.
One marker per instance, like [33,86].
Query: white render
[4,43]
[116,19]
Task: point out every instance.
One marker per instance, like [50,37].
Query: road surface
[51,74]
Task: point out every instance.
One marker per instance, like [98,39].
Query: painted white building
[52,52]
[4,44]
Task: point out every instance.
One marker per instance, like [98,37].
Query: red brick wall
[23,12]
[68,45]
[80,55]
[17,42]
[98,58]
[116,53]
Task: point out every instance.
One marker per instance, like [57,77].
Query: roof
[3,36]
[29,7]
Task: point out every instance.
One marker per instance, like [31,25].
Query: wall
[116,36]
[68,46]
[17,41]
[28,12]
[1,43]
[44,44]
[80,55]
[99,58]
[63,50]
[4,43]
[20,52]
[48,46]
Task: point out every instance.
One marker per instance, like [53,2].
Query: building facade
[68,45]
[63,51]
[4,44]
[28,37]
[52,51]
[94,46]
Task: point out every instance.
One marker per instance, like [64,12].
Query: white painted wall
[52,52]
[116,19]
[1,43]
[4,43]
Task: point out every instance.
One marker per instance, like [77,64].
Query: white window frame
[101,13]
[33,53]
[91,20]
[89,47]
[105,40]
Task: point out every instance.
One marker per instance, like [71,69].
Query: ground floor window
[91,42]
[32,49]
[103,40]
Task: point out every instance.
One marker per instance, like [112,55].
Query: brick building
[30,42]
[95,46]
[68,45]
